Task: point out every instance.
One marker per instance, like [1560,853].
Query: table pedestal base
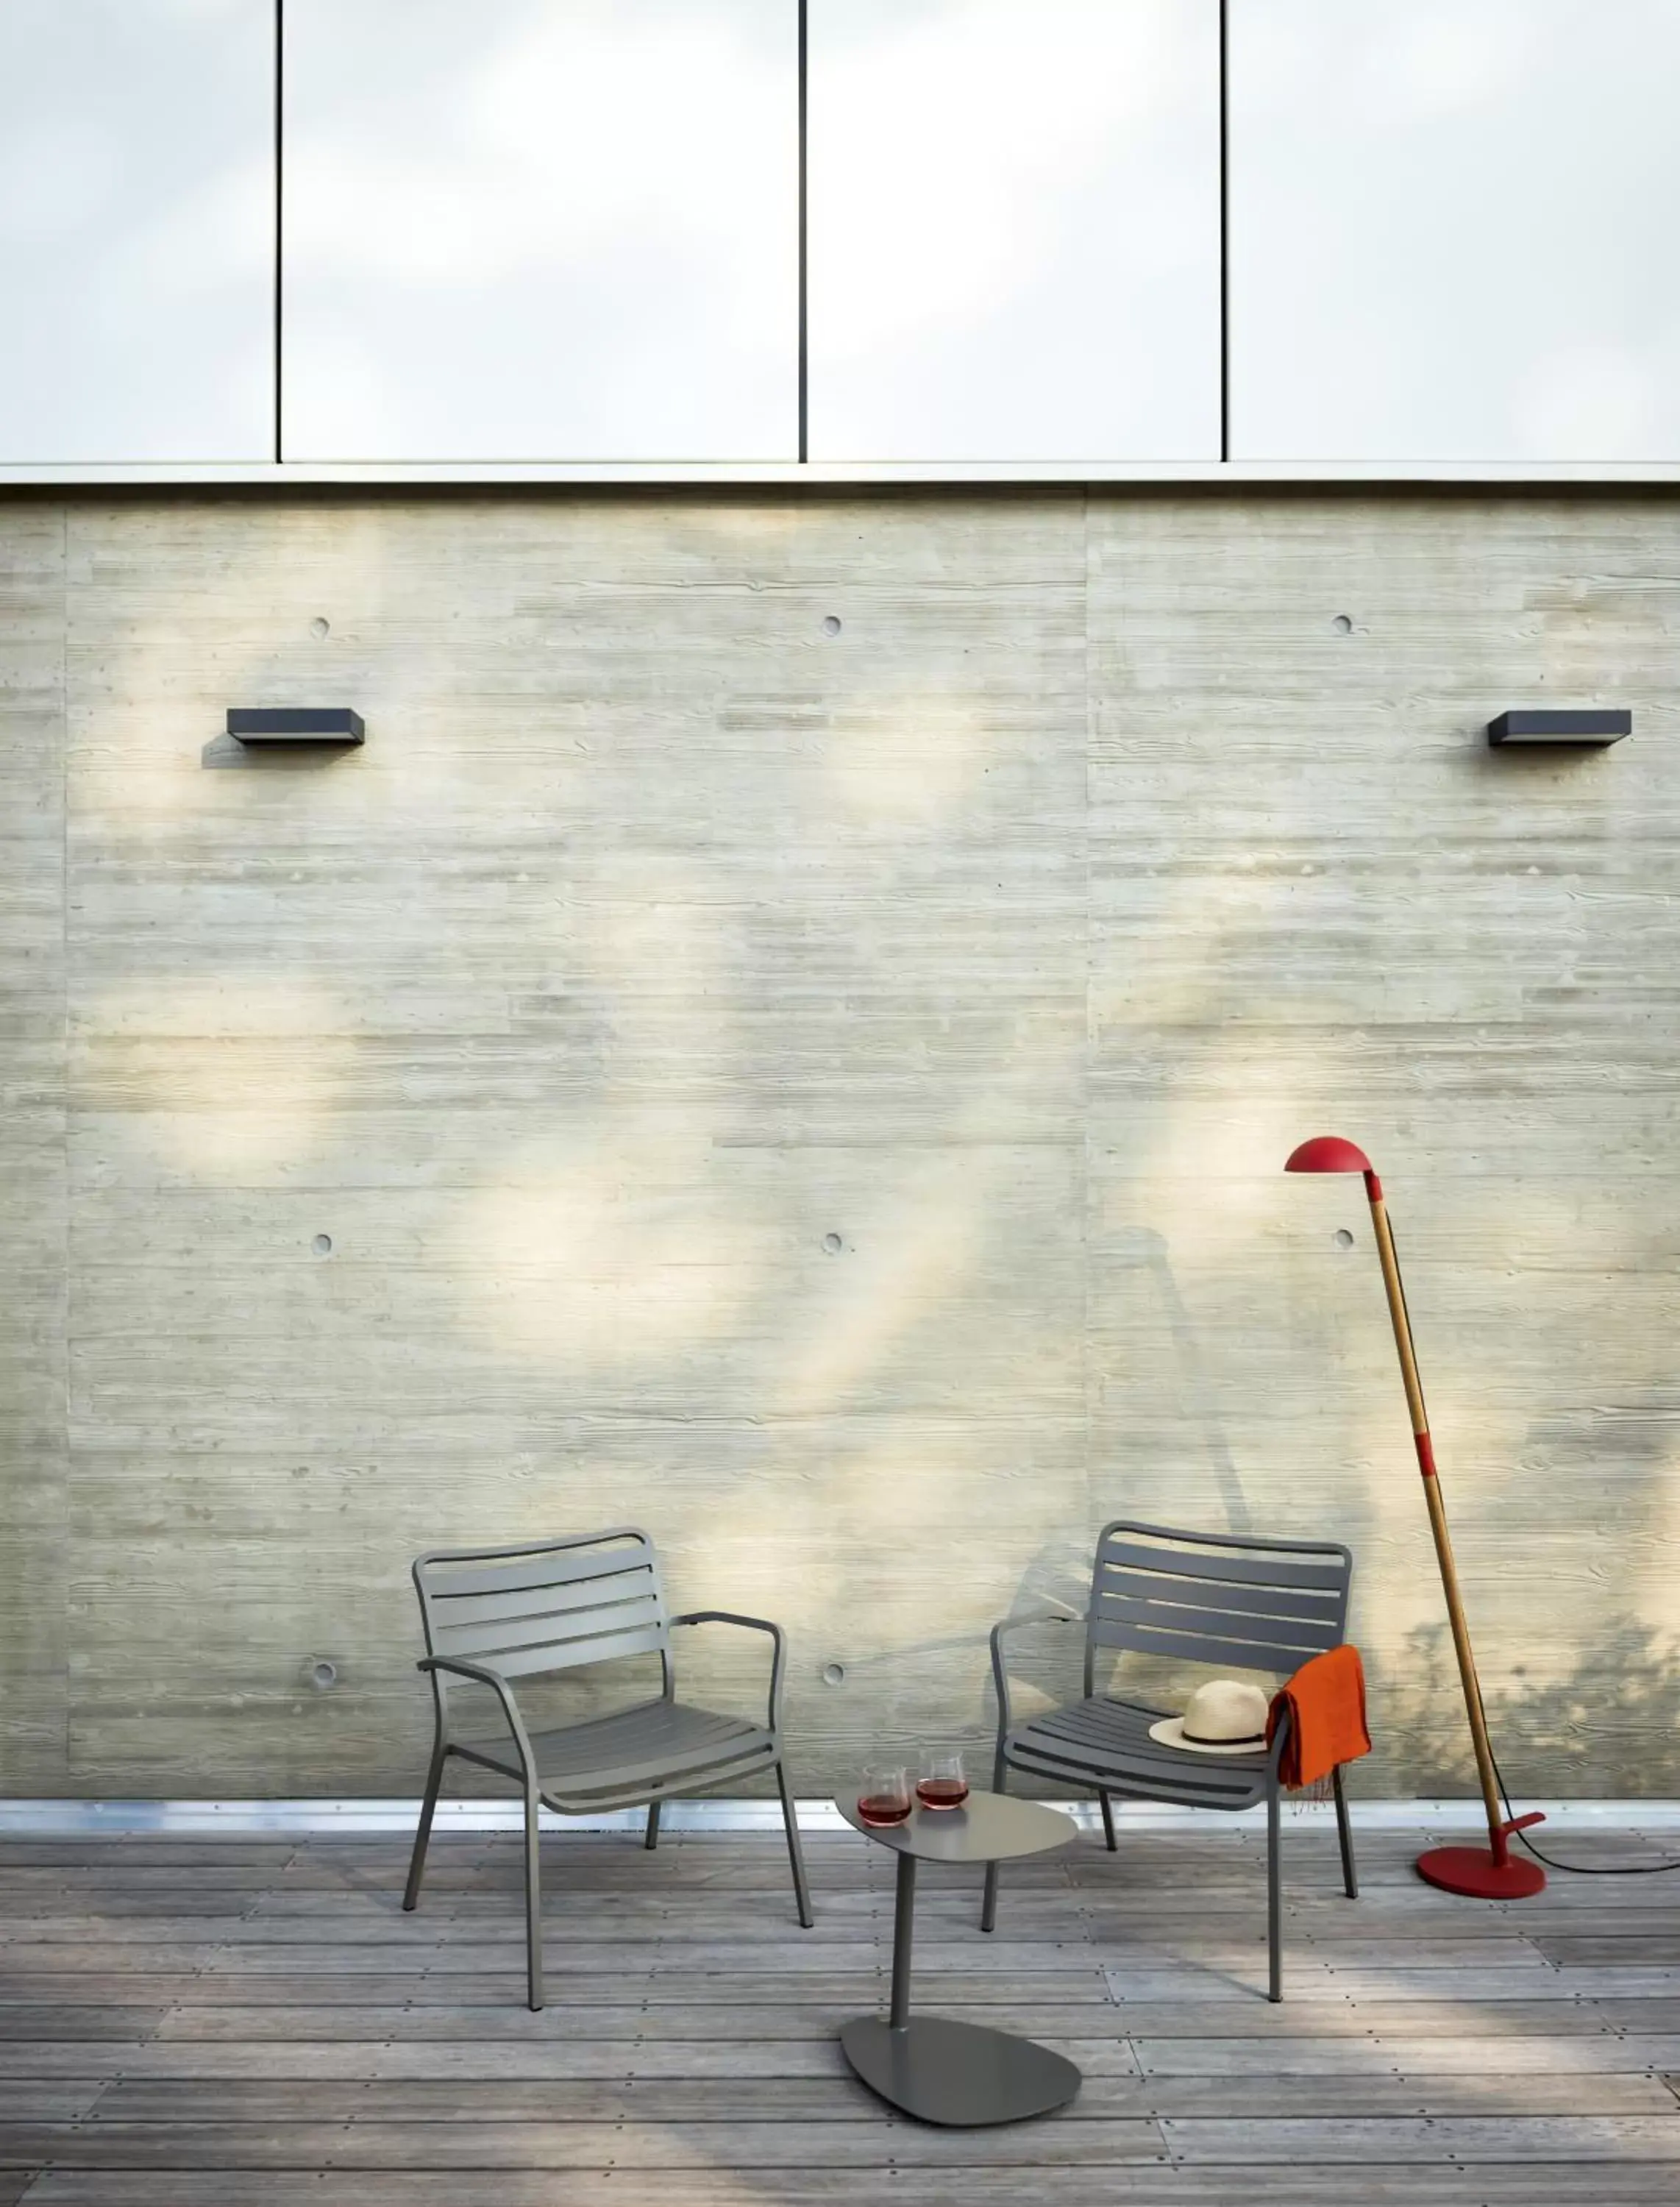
[958,2073]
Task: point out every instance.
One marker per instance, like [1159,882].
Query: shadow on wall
[1610,1725]
[1147,1251]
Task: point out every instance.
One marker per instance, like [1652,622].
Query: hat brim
[1170,1732]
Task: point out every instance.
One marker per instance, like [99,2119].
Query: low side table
[957,2074]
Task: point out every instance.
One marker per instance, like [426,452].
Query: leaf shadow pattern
[1609,1726]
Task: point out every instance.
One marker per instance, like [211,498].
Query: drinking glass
[884,1796]
[941,1783]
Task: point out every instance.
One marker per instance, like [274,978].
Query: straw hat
[1225,1716]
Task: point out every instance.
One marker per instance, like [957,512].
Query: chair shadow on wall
[1058,1576]
[1140,1248]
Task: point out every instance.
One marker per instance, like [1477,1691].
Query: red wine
[942,1792]
[883,1808]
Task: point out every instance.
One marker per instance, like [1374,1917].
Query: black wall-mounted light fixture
[1594,728]
[295,723]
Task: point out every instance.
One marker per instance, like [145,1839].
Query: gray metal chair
[493,1615]
[1222,1599]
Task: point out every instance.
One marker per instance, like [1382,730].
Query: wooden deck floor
[232,2023]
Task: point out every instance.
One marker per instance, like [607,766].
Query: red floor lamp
[1484,1873]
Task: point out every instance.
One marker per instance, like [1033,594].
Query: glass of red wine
[941,1783]
[884,1797]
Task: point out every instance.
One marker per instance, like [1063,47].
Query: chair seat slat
[649,1740]
[661,1723]
[1107,1727]
[586,1786]
[1141,1784]
[1102,1741]
[1181,1788]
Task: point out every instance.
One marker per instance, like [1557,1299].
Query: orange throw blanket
[1325,1702]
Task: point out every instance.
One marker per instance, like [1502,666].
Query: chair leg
[533,1909]
[791,1825]
[652,1839]
[1108,1820]
[988,1901]
[423,1829]
[1344,1832]
[1274,1896]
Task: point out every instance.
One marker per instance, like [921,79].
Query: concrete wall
[822,1095]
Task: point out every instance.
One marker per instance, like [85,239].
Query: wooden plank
[717,1998]
[1524,2184]
[1625,1948]
[1493,2054]
[374,2144]
[1186,2021]
[675,2019]
[1315,1980]
[493,2059]
[41,2099]
[742,2096]
[87,2021]
[1382,2141]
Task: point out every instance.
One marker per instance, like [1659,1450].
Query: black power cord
[1576,1870]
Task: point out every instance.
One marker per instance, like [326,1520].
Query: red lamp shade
[1328,1153]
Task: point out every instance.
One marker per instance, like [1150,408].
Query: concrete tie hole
[831,625]
[1344,1240]
[322,1675]
[833,1244]
[322,1245]
[321,627]
[834,1674]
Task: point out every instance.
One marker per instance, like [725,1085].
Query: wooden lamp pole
[1484,1873]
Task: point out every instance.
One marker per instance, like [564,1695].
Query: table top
[988,1827]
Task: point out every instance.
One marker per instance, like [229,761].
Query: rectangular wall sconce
[1597,726]
[295,724]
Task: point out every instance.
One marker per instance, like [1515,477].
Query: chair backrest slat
[1223,1599]
[1262,1570]
[1267,1642]
[551,1563]
[546,1607]
[471,1609]
[528,1662]
[1156,1590]
[493,1637]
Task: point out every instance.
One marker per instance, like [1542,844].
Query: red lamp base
[1478,1874]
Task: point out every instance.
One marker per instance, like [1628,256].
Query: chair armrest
[999,1670]
[1038,1617]
[480,1674]
[778,1659]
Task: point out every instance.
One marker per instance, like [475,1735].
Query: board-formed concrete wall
[792,1026]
